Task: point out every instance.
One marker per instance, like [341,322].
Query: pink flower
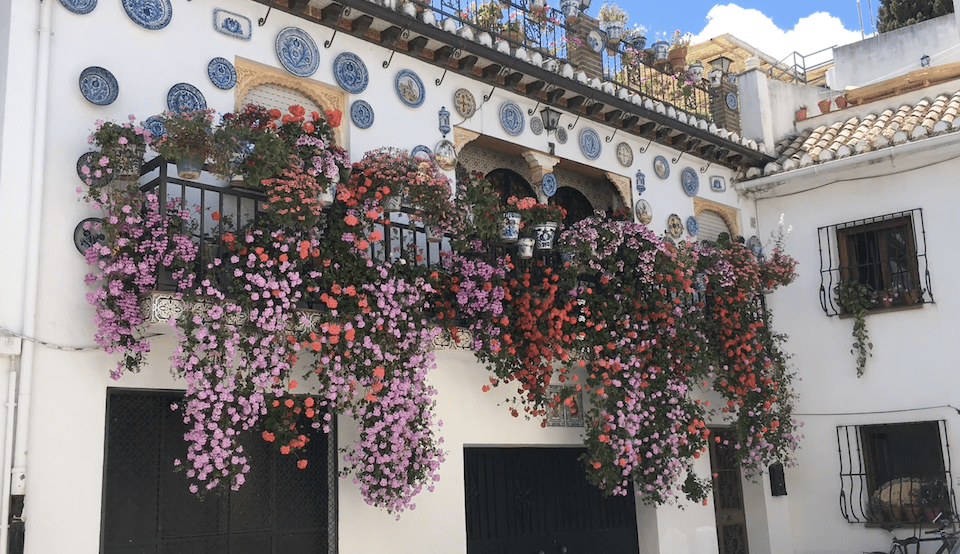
[122,140]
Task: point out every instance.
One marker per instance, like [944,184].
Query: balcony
[538,55]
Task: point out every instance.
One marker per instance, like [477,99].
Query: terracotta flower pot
[824,105]
[841,102]
[801,114]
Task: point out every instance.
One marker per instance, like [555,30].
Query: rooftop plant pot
[661,49]
[825,105]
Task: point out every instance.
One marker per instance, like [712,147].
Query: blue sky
[777,27]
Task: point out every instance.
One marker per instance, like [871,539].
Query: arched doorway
[575,203]
[509,183]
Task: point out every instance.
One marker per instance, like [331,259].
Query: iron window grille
[147,506]
[887,254]
[896,473]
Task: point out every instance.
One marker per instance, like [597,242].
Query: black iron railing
[623,68]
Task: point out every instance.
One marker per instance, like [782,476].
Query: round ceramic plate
[81,7]
[421,151]
[89,160]
[464,103]
[624,154]
[297,51]
[536,125]
[674,226]
[693,226]
[590,143]
[149,14]
[595,40]
[351,73]
[410,88]
[549,185]
[154,124]
[99,86]
[561,135]
[643,211]
[661,167]
[184,97]
[221,73]
[755,246]
[690,181]
[446,155]
[86,234]
[361,113]
[511,117]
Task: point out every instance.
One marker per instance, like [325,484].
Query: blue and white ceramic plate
[624,154]
[755,246]
[81,7]
[87,233]
[590,143]
[149,14]
[361,113]
[693,226]
[232,24]
[718,183]
[690,181]
[561,135]
[99,86]
[511,117]
[661,167]
[674,226]
[221,73]
[297,51]
[90,161]
[410,88]
[184,97]
[595,40]
[351,73]
[549,185]
[536,125]
[154,124]
[421,151]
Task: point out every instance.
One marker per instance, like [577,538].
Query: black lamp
[721,63]
[550,117]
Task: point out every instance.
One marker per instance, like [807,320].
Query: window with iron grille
[886,255]
[895,473]
[147,506]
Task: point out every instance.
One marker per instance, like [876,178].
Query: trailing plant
[856,300]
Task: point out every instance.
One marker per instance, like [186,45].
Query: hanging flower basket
[525,248]
[545,233]
[189,167]
[570,10]
[510,227]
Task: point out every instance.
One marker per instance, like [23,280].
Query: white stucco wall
[893,53]
[66,441]
[910,372]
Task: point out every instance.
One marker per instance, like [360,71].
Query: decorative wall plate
[154,124]
[90,161]
[536,125]
[149,14]
[184,97]
[410,88]
[595,40]
[297,51]
[590,143]
[549,185]
[511,118]
[693,226]
[351,73]
[718,183]
[232,24]
[755,246]
[661,167]
[690,181]
[81,7]
[421,150]
[643,211]
[446,154]
[561,135]
[624,154]
[99,86]
[361,113]
[464,103]
[732,101]
[221,73]
[674,226]
[87,233]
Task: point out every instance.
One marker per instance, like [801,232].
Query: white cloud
[811,34]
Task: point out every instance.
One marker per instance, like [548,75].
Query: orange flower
[333,117]
[268,436]
[351,220]
[301,464]
[284,449]
[297,110]
[293,384]
[308,127]
[215,216]
[378,372]
[288,403]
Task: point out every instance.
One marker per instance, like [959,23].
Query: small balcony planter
[661,49]
[525,248]
[510,227]
[570,10]
[189,167]
[696,71]
[614,30]
[545,233]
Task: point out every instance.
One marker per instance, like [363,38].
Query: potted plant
[613,22]
[189,140]
[801,112]
[660,48]
[856,299]
[512,29]
[487,16]
[570,10]
[824,105]
[481,203]
[695,70]
[677,56]
[539,220]
[122,147]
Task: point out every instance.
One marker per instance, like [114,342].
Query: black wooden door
[533,500]
[728,496]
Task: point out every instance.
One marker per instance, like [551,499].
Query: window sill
[883,310]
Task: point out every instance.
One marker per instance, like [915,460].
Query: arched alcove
[575,203]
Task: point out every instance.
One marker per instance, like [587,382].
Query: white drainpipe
[32,268]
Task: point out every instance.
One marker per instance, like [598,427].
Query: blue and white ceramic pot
[545,233]
[510,227]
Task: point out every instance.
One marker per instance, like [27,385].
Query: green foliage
[856,300]
[894,14]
